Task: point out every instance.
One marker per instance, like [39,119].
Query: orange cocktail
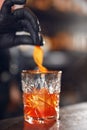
[40,104]
[41,96]
[41,89]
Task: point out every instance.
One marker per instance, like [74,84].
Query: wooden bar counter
[73,117]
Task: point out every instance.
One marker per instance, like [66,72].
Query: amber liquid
[40,104]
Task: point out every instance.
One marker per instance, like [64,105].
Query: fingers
[24,40]
[10,40]
[6,7]
[30,23]
[26,26]
[27,14]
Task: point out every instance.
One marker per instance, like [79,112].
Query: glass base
[34,120]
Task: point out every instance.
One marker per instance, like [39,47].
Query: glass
[41,96]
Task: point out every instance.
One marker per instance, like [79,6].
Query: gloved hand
[13,21]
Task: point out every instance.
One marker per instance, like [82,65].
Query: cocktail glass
[41,93]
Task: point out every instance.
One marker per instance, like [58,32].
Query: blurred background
[64,29]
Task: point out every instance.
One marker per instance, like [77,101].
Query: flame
[38,58]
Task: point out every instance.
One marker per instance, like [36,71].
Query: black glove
[13,21]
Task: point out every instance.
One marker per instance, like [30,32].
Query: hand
[19,20]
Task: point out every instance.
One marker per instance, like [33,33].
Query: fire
[38,58]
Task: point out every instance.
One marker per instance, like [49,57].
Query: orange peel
[38,58]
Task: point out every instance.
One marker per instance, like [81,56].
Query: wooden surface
[71,118]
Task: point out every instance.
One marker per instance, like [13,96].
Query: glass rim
[39,72]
